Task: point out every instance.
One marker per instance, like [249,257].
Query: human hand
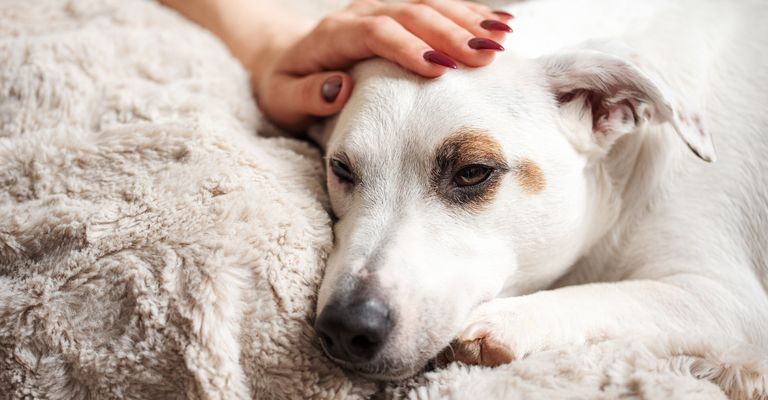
[427,37]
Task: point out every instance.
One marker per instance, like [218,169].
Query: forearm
[255,31]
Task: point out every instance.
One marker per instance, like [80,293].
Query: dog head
[450,192]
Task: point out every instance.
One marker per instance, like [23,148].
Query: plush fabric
[152,245]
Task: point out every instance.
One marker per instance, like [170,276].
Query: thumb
[292,101]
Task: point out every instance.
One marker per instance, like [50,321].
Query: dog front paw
[478,346]
[507,329]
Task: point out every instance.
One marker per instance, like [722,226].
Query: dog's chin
[382,370]
[389,376]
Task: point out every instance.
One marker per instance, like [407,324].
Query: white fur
[633,234]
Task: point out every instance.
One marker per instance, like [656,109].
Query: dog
[568,193]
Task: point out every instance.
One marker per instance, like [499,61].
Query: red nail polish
[493,25]
[484,44]
[331,88]
[503,14]
[439,58]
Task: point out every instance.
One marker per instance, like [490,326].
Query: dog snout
[354,331]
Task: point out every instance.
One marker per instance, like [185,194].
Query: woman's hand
[427,37]
[295,67]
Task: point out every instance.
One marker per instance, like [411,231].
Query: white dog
[567,193]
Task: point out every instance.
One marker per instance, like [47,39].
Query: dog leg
[506,329]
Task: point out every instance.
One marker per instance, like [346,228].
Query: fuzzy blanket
[153,246]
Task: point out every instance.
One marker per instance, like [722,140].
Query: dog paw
[478,346]
[501,331]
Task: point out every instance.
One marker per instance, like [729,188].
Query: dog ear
[621,98]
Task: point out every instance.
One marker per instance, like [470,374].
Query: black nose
[354,332]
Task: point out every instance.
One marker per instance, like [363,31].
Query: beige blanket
[153,246]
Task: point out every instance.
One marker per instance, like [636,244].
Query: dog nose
[354,332]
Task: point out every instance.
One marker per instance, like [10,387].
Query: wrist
[255,31]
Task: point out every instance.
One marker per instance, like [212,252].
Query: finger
[381,36]
[339,42]
[443,34]
[504,15]
[481,9]
[292,101]
[479,24]
[386,37]
[363,7]
[487,13]
[473,4]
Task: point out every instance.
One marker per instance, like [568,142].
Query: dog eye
[472,175]
[342,171]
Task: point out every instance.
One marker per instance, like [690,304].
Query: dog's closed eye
[342,171]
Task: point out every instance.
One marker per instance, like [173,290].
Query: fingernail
[484,44]
[493,25]
[439,58]
[331,88]
[503,14]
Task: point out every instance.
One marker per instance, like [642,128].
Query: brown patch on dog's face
[530,177]
[461,162]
